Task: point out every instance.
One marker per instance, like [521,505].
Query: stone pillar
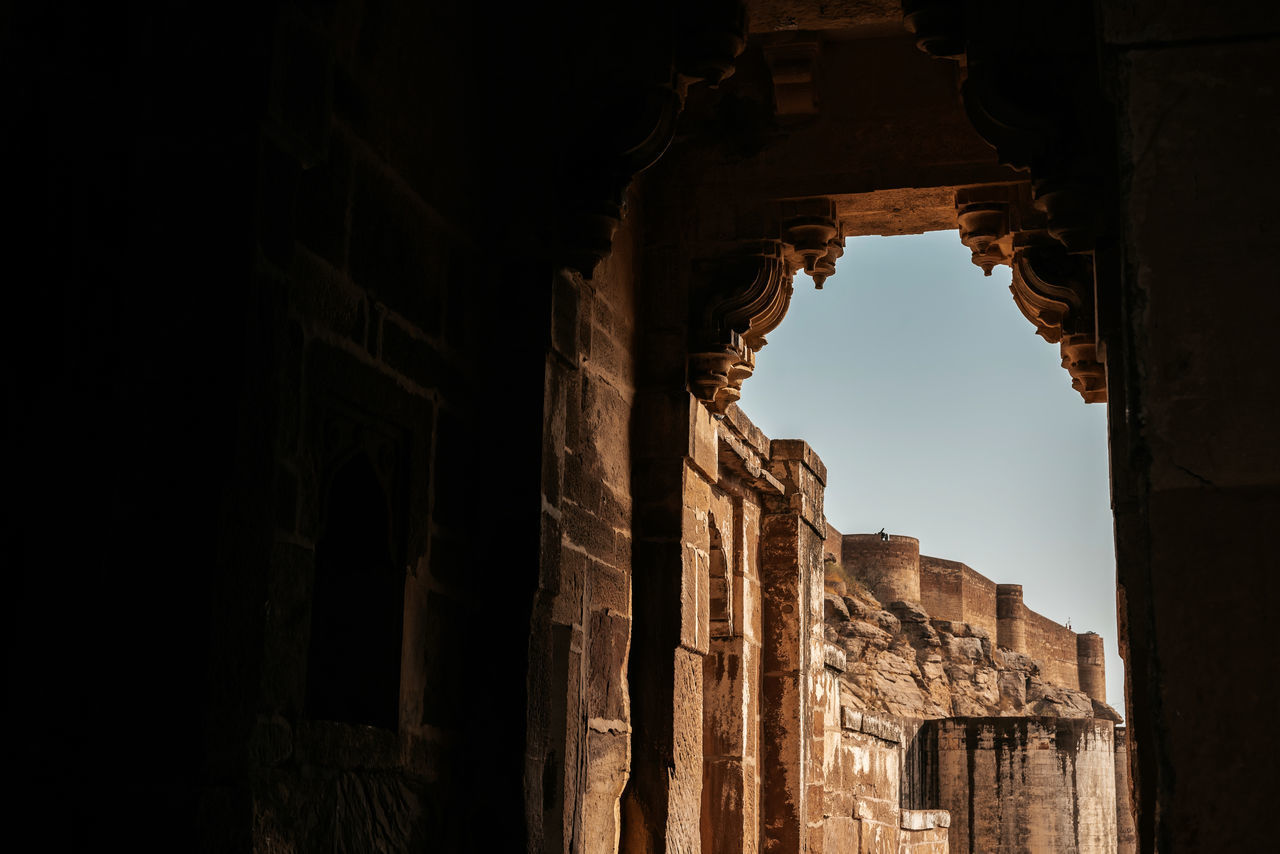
[890,568]
[1011,623]
[1091,664]
[792,533]
[671,601]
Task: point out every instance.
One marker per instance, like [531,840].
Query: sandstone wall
[1055,647]
[1033,785]
[581,630]
[345,641]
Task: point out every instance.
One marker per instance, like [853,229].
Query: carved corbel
[710,35]
[982,226]
[1054,290]
[1030,90]
[812,232]
[1088,374]
[738,300]
[1071,206]
[938,26]
[995,220]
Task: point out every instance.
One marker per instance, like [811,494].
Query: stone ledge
[884,729]
[924,819]
[743,428]
[833,657]
[739,458]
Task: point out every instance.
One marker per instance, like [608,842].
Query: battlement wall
[942,588]
[1055,647]
[951,590]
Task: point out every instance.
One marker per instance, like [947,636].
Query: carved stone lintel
[738,300]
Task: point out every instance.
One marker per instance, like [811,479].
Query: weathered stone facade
[342,328]
[1026,784]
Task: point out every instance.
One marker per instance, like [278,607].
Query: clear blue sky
[942,415]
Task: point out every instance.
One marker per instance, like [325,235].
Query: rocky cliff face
[900,662]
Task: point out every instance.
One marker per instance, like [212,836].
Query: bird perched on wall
[883,535]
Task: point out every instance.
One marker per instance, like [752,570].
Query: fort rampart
[892,568]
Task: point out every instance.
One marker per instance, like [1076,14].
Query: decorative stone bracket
[1053,288]
[741,298]
[813,234]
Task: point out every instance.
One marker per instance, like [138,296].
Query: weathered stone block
[839,834]
[608,642]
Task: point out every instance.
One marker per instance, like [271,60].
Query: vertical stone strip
[730,684]
[578,754]
[676,467]
[792,532]
[1126,832]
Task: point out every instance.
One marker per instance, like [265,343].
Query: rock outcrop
[898,661]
